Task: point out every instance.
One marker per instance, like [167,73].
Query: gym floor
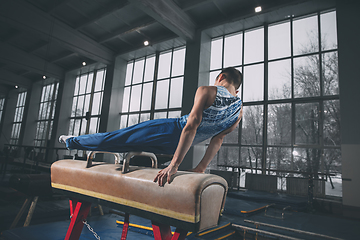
[276,213]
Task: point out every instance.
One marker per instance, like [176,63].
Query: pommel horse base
[191,202]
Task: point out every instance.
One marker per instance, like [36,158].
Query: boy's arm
[214,146]
[187,135]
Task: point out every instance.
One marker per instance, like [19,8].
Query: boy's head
[233,76]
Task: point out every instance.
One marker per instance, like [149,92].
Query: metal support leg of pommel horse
[79,211]
[161,231]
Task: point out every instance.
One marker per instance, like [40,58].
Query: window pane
[123,121]
[305,35]
[332,161]
[80,106]
[96,103]
[149,69]
[328,31]
[176,90]
[174,114]
[307,160]
[83,81]
[279,124]
[40,117]
[278,159]
[279,78]
[77,127]
[254,83]
[43,93]
[99,80]
[133,119]
[252,124]
[162,92]
[212,77]
[233,50]
[89,83]
[307,123]
[306,76]
[254,46]
[129,70]
[135,98]
[73,109]
[164,65]
[125,103]
[93,125]
[77,83]
[53,111]
[159,115]
[144,117]
[251,157]
[178,62]
[279,41]
[332,123]
[146,96]
[216,54]
[87,103]
[330,73]
[47,93]
[83,126]
[138,71]
[229,156]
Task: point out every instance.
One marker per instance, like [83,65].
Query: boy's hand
[165,174]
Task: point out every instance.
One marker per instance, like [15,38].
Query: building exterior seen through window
[153,87]
[18,118]
[46,113]
[290,93]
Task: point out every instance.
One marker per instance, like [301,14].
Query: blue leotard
[161,136]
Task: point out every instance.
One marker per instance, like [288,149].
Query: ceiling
[51,37]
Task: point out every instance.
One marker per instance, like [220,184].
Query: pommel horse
[191,202]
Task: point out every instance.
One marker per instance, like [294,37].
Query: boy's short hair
[233,76]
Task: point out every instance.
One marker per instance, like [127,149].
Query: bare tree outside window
[300,108]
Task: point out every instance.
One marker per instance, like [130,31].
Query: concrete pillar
[116,94]
[31,114]
[197,65]
[349,80]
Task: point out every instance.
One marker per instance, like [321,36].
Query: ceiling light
[146,43]
[258,9]
[44,77]
[84,63]
[16,86]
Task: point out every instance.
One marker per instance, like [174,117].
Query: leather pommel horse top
[192,201]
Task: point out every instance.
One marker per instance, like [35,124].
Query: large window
[291,120]
[46,113]
[153,87]
[18,118]
[87,102]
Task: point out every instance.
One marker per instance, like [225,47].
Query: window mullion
[265,110]
[156,68]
